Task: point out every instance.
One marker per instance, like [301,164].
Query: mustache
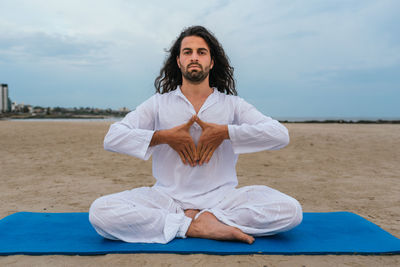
[194,64]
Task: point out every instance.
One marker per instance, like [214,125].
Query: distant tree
[25,109]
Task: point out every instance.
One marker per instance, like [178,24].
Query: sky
[292,59]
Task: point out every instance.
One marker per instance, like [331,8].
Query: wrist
[225,132]
[159,137]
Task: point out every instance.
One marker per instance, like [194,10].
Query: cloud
[278,48]
[41,46]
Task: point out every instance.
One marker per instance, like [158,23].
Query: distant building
[13,106]
[5,102]
[124,109]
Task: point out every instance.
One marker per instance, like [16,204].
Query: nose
[194,57]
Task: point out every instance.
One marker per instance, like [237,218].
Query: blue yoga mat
[71,234]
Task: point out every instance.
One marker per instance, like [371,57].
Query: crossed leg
[255,210]
[138,215]
[145,215]
[208,226]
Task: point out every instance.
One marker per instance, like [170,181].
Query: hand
[179,139]
[210,139]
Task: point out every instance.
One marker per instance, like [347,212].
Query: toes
[250,240]
[239,235]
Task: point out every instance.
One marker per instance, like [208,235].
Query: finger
[202,151]
[187,158]
[200,122]
[204,155]
[189,155]
[191,121]
[182,157]
[198,150]
[194,151]
[210,154]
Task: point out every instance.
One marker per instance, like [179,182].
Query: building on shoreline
[5,103]
[10,109]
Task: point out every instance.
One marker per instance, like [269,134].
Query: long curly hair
[221,75]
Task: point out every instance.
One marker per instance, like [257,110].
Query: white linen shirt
[203,186]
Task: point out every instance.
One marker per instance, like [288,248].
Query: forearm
[122,139]
[269,135]
[132,135]
[253,131]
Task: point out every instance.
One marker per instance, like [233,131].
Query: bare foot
[208,226]
[191,213]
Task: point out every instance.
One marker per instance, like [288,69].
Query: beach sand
[62,167]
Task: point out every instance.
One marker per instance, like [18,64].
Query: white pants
[147,215]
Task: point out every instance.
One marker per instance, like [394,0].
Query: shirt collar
[178,92]
[211,99]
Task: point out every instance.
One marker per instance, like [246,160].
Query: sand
[62,167]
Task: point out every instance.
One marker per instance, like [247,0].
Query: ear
[212,64]
[178,62]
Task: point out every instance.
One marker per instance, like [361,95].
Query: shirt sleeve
[253,131]
[132,135]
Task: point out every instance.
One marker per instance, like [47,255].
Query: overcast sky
[305,58]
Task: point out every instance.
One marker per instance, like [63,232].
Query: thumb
[201,123]
[191,121]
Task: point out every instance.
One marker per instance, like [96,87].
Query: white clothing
[157,214]
[198,187]
[147,215]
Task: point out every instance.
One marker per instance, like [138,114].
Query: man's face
[194,59]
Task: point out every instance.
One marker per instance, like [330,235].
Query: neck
[202,89]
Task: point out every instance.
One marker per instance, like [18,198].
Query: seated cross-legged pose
[194,127]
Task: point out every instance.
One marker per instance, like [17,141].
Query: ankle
[193,229]
[191,213]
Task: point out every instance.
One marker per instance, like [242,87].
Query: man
[194,127]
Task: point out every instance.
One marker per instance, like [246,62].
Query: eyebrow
[199,49]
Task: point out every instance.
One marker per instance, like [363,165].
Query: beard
[196,75]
